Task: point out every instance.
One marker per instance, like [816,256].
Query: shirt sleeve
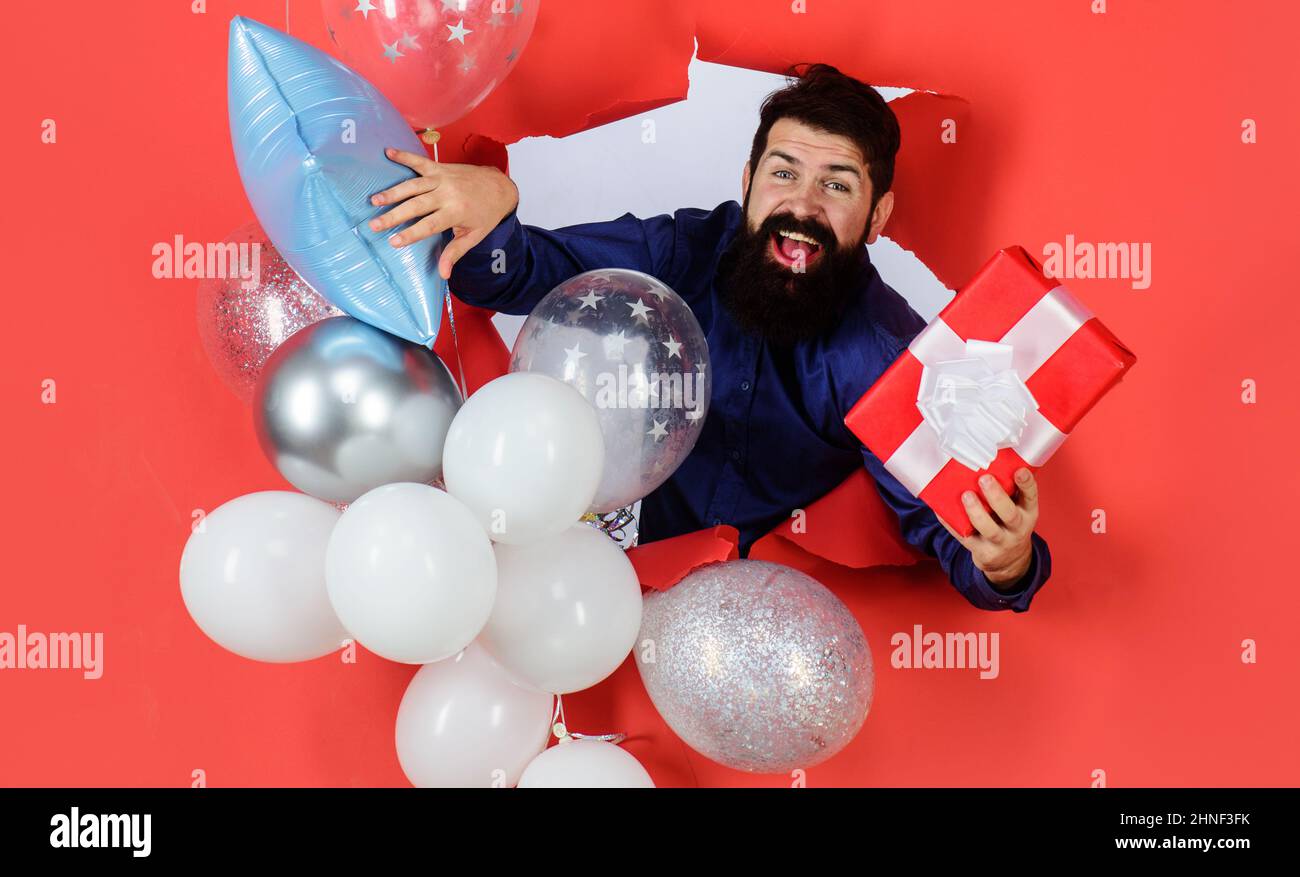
[516,265]
[921,528]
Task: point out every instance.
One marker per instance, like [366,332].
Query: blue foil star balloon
[309,137]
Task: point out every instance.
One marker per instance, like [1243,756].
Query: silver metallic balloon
[632,348]
[242,321]
[756,665]
[343,407]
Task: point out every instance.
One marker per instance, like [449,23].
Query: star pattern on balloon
[674,347]
[658,430]
[391,53]
[639,310]
[408,41]
[518,9]
[590,300]
[458,32]
[615,344]
[572,355]
[365,7]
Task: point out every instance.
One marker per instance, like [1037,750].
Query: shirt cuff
[496,239]
[1017,597]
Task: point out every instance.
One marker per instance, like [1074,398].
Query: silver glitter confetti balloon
[242,320]
[632,348]
[756,665]
[343,407]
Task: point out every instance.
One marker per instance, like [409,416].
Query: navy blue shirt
[774,439]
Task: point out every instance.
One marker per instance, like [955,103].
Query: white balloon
[462,723]
[585,764]
[525,453]
[410,573]
[253,577]
[567,613]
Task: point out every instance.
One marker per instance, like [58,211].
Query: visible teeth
[798,237]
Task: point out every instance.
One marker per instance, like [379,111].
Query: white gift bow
[1033,339]
[977,404]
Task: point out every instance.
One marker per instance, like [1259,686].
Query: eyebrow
[847,168]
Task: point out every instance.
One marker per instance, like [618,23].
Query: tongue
[793,249]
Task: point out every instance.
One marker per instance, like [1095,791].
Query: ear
[880,216]
[744,180]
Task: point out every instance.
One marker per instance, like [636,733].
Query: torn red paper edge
[660,565]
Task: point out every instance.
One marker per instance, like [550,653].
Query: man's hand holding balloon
[466,198]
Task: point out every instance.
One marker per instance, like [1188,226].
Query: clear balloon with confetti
[756,665]
[252,307]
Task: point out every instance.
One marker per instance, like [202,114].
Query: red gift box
[1003,375]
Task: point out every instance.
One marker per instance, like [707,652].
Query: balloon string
[560,727]
[451,319]
[455,342]
[614,524]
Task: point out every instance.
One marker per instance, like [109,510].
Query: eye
[783,171]
[843,188]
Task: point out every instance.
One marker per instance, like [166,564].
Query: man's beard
[783,305]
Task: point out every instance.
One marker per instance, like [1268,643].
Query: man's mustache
[813,229]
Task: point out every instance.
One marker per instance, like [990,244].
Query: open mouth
[793,249]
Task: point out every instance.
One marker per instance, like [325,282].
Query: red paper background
[1117,127]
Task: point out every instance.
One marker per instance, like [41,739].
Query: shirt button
[735,455]
[717,521]
[744,385]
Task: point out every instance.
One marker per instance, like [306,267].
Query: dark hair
[822,97]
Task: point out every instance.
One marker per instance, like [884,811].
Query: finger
[434,223]
[1001,503]
[1028,491]
[979,518]
[454,250]
[420,205]
[404,190]
[419,163]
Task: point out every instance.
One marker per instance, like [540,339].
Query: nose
[804,204]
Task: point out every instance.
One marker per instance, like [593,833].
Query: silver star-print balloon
[632,348]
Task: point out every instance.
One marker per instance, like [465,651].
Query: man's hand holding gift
[1001,546]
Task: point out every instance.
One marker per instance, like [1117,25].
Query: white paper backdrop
[694,158]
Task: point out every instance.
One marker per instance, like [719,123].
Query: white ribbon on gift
[973,397]
[977,404]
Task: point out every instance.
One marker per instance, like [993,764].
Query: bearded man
[799,322]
